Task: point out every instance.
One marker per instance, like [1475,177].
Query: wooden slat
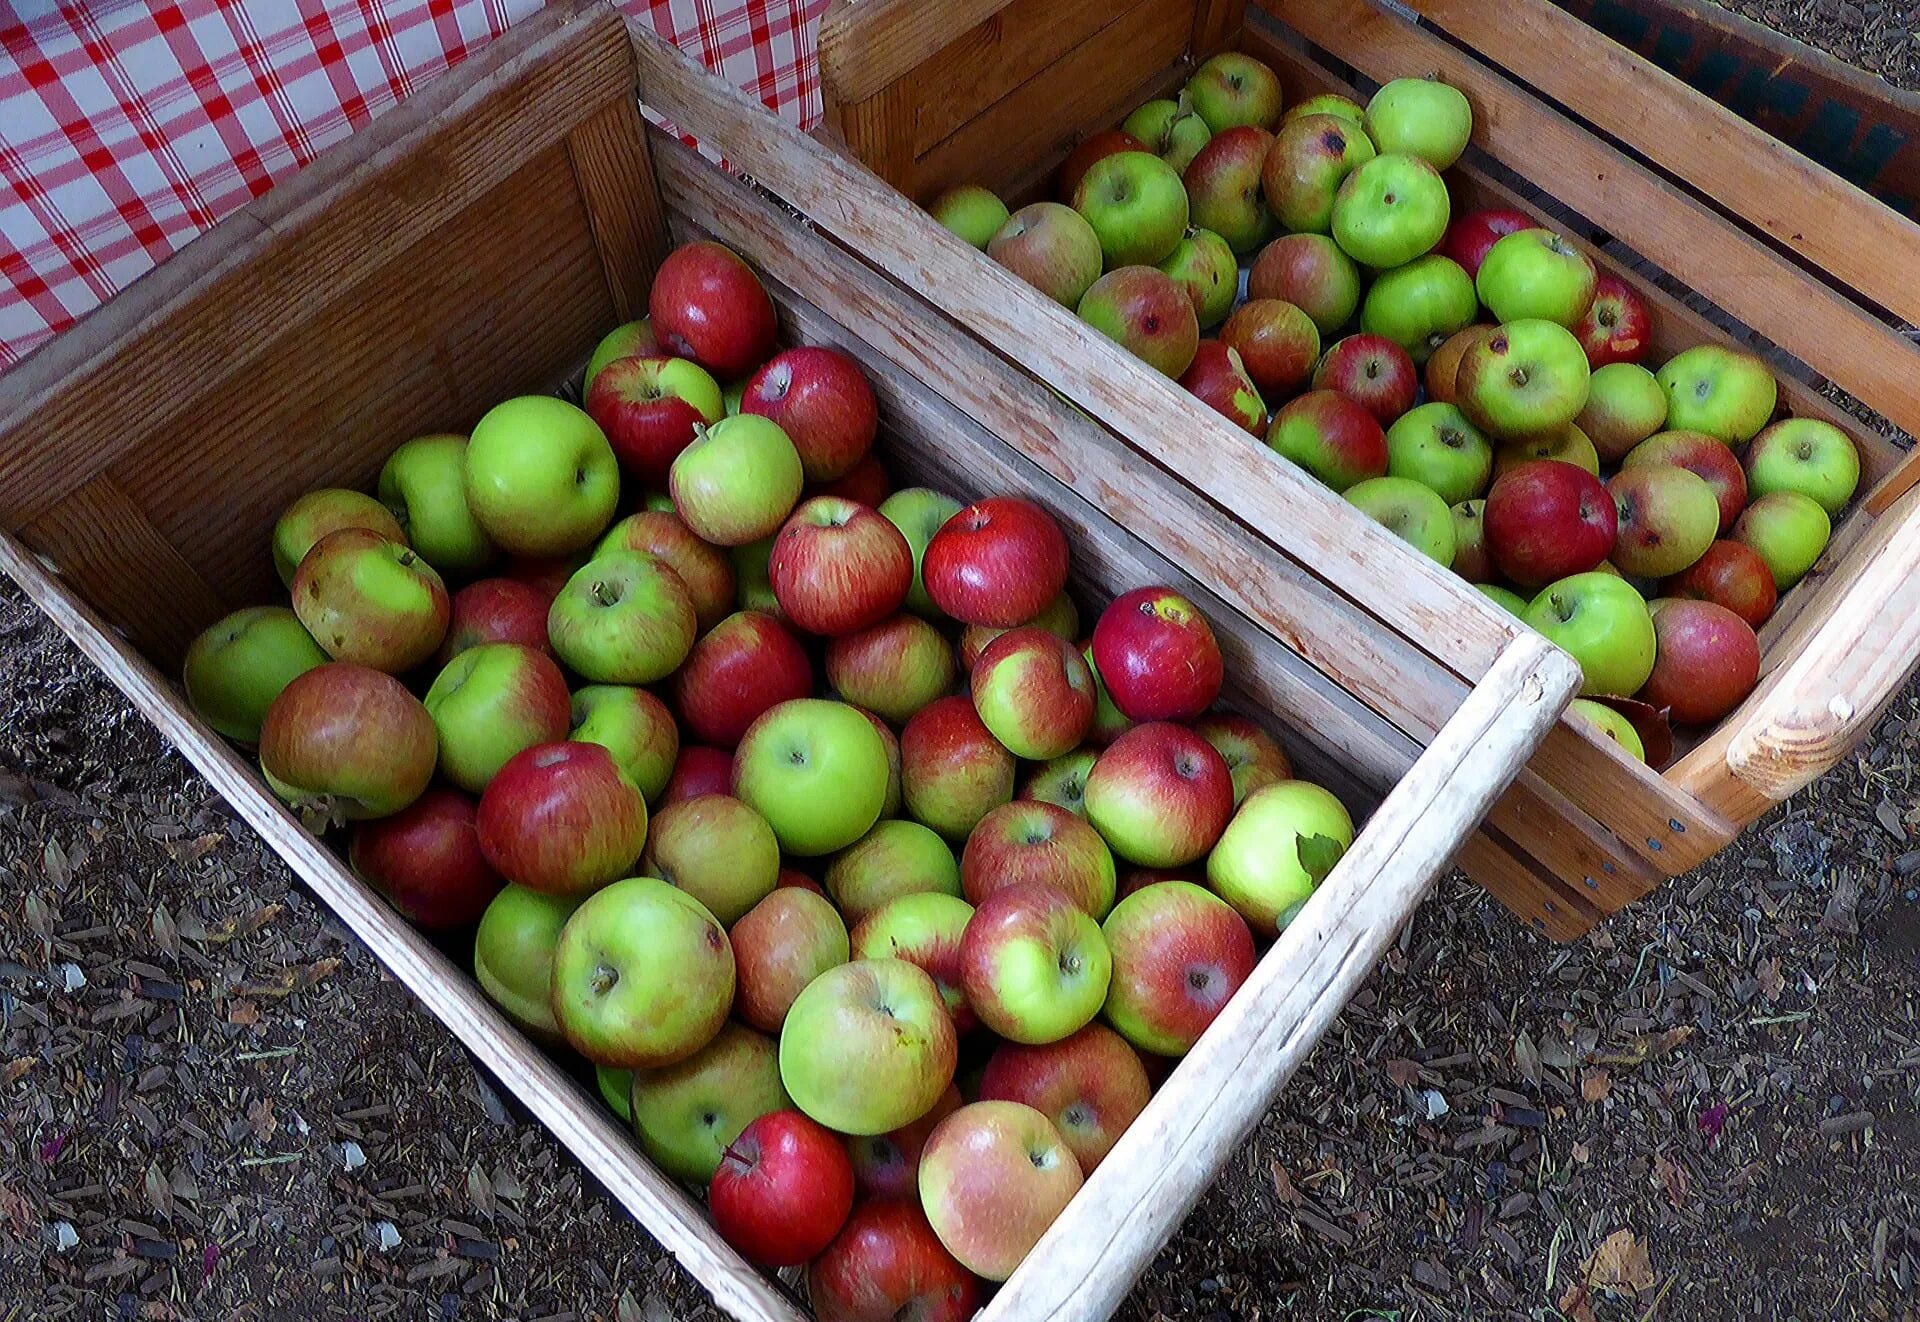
[1797,202]
[1531,893]
[1084,1265]
[613,173]
[879,130]
[1737,271]
[1590,863]
[1216,27]
[865,45]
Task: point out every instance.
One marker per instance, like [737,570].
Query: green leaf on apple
[1318,854]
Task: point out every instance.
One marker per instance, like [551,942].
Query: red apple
[1091,149]
[1546,520]
[1337,440]
[1471,237]
[779,946]
[1730,574]
[545,575]
[1470,558]
[1373,372]
[1090,1085]
[1617,327]
[1030,842]
[1708,459]
[888,1165]
[648,408]
[1160,795]
[706,304]
[562,819]
[698,771]
[426,858]
[866,482]
[1706,660]
[892,669]
[1310,272]
[783,1190]
[1145,312]
[1157,656]
[704,569]
[838,567]
[997,562]
[953,771]
[887,1265]
[1218,379]
[822,401]
[744,665]
[1278,343]
[343,742]
[1253,756]
[1033,691]
[1135,879]
[1180,952]
[496,610]
[1223,187]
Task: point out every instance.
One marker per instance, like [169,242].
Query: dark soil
[1880,36]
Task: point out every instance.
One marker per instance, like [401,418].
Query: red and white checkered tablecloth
[129,126]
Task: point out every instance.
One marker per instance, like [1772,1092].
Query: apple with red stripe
[562,818]
[1033,963]
[1090,1085]
[746,665]
[1157,656]
[953,771]
[887,1263]
[993,1177]
[1160,795]
[1180,952]
[925,929]
[822,401]
[779,946]
[1034,693]
[838,567]
[649,407]
[1031,842]
[707,304]
[996,562]
[496,610]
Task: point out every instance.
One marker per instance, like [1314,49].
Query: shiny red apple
[821,399]
[1545,520]
[426,858]
[838,567]
[741,667]
[1157,655]
[782,1191]
[707,304]
[1471,237]
[997,562]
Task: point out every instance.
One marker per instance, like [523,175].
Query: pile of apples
[1644,517]
[877,896]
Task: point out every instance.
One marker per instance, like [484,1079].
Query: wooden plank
[866,45]
[879,130]
[1797,202]
[1530,892]
[1033,181]
[206,315]
[1737,271]
[1216,27]
[582,1123]
[1590,863]
[1084,1265]
[613,173]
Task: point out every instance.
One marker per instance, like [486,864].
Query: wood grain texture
[1528,890]
[866,44]
[879,131]
[613,173]
[1216,27]
[1084,1265]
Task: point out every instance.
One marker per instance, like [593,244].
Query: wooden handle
[865,45]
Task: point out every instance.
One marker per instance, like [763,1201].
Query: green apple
[1788,530]
[1063,781]
[541,479]
[1667,518]
[1569,446]
[513,955]
[686,1115]
[1603,623]
[424,484]
[1527,381]
[1536,273]
[1625,405]
[239,664]
[1611,724]
[1389,211]
[1204,266]
[816,770]
[868,1046]
[318,513]
[1276,850]
[635,727]
[1435,445]
[1136,205]
[716,849]
[1506,598]
[1034,964]
[1471,559]
[897,857]
[1806,455]
[1232,89]
[616,1090]
[732,396]
[1726,393]
[372,601]
[925,929]
[633,340]
[737,481]
[490,702]
[623,618]
[1310,159]
[1172,130]
[1420,117]
[1328,103]
[919,512]
[972,212]
[1421,305]
[1410,511]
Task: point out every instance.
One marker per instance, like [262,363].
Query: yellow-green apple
[1254,758]
[1470,237]
[344,742]
[1729,574]
[1218,379]
[1389,211]
[952,768]
[1617,327]
[1421,305]
[753,590]
[970,211]
[688,1114]
[642,975]
[1625,406]
[1537,273]
[1327,103]
[1570,446]
[1411,511]
[489,703]
[1611,725]
[1545,520]
[1109,722]
[887,1166]
[893,668]
[1442,375]
[1706,660]
[370,601]
[1090,150]
[992,1179]
[1062,782]
[1279,846]
[1333,437]
[1526,381]
[1702,456]
[816,770]
[925,929]
[1142,310]
[624,618]
[868,1046]
[1471,559]
[1052,247]
[1033,963]
[716,849]
[866,482]
[919,513]
[1788,529]
[1435,445]
[822,401]
[1157,656]
[1505,598]
[1160,795]
[1373,372]
[426,859]
[1171,130]
[616,1090]
[1421,117]
[1180,952]
[314,515]
[1667,518]
[1060,617]
[1204,266]
[562,818]
[897,857]
[887,1263]
[780,945]
[737,481]
[634,726]
[1032,691]
[1136,205]
[1277,343]
[1231,89]
[541,479]
[782,1190]
[513,955]
[496,610]
[1030,842]
[838,567]
[1090,1085]
[1727,393]
[708,305]
[1602,622]
[1309,160]
[742,667]
[238,665]
[424,485]
[996,562]
[704,570]
[698,771]
[648,408]
[1223,187]
[1310,272]
[633,339]
[1806,455]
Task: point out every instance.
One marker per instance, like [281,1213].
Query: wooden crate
[1779,244]
[474,243]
